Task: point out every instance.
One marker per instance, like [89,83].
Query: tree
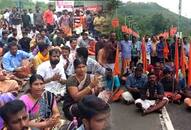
[158,23]
[112,5]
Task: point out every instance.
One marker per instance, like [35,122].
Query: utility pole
[180,19]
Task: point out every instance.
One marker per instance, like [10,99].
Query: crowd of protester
[51,57]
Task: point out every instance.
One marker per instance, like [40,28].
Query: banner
[95,8]
[64,5]
[69,5]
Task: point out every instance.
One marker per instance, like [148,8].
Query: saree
[40,109]
[65,25]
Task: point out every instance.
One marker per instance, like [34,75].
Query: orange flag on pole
[144,55]
[189,67]
[176,59]
[166,50]
[115,23]
[183,61]
[116,65]
[129,31]
[124,28]
[173,31]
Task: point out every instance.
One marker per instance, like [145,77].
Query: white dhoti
[145,103]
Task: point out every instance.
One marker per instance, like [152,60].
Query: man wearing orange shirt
[48,18]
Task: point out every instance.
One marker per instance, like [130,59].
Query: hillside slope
[142,14]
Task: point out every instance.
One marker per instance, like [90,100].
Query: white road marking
[165,120]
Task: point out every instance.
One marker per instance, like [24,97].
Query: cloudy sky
[171,5]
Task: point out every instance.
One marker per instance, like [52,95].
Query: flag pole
[184,65]
[125,19]
[163,49]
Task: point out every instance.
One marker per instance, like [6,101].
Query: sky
[172,5]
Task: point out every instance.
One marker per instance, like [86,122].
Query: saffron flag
[116,65]
[176,60]
[189,68]
[183,63]
[173,31]
[144,56]
[166,50]
[115,23]
[129,31]
[124,28]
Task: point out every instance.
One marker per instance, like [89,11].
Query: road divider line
[165,120]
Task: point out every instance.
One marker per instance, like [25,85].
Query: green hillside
[151,18]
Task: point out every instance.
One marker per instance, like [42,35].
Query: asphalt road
[180,117]
[126,117]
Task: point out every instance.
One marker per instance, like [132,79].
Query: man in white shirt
[31,16]
[66,61]
[6,15]
[53,73]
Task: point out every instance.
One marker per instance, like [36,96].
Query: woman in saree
[65,24]
[78,86]
[41,105]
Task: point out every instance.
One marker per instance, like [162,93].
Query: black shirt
[169,85]
[26,20]
[151,90]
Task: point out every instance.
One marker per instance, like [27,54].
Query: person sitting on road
[15,115]
[5,98]
[17,61]
[187,100]
[34,43]
[84,40]
[135,82]
[41,56]
[93,67]
[152,96]
[66,60]
[58,40]
[111,85]
[95,113]
[44,37]
[78,85]
[73,46]
[171,90]
[53,73]
[41,105]
[7,83]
